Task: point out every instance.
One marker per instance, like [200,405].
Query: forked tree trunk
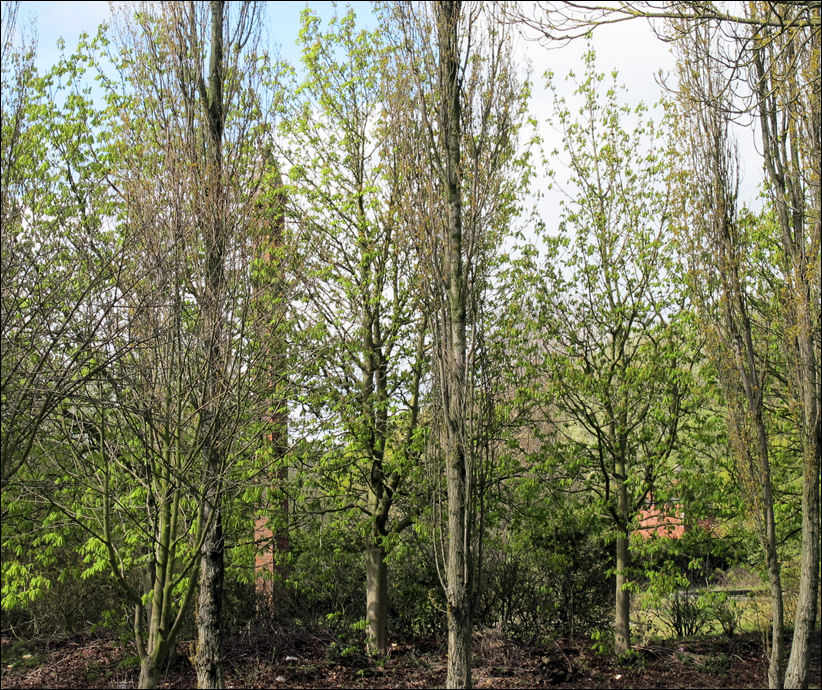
[155,627]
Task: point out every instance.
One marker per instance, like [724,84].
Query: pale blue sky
[53,20]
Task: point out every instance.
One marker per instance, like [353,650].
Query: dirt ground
[291,660]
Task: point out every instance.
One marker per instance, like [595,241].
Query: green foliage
[603,642]
[685,610]
[415,597]
[543,575]
[326,571]
[619,348]
[724,609]
[21,586]
[588,371]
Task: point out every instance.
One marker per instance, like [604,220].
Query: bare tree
[460,124]
[720,279]
[785,47]
[560,22]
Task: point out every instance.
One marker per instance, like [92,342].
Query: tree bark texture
[209,662]
[458,565]
[149,674]
[376,598]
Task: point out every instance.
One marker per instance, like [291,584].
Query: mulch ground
[291,660]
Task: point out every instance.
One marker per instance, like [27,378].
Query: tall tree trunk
[374,398]
[797,672]
[789,126]
[759,470]
[209,662]
[775,677]
[796,675]
[458,566]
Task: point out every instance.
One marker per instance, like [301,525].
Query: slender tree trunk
[782,139]
[796,675]
[209,663]
[622,615]
[458,566]
[797,672]
[154,630]
[760,474]
[775,677]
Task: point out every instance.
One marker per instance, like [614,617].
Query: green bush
[548,579]
[326,574]
[416,602]
[684,610]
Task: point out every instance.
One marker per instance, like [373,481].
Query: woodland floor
[309,661]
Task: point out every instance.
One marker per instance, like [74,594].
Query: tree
[61,268]
[717,244]
[184,160]
[618,357]
[458,133]
[775,48]
[215,235]
[223,128]
[568,20]
[358,311]
[453,351]
[785,51]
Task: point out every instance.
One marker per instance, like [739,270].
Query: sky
[629,47]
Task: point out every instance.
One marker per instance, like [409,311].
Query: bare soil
[291,659]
